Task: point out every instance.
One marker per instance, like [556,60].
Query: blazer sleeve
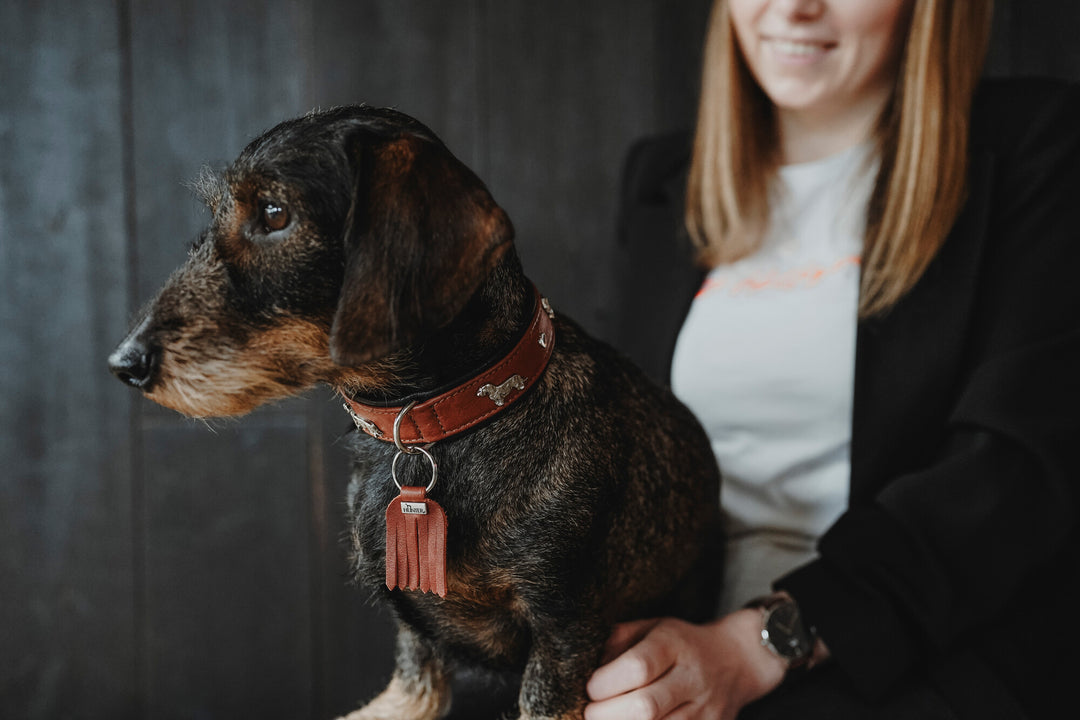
[943,553]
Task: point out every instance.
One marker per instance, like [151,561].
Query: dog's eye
[274,216]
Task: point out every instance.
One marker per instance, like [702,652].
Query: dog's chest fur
[535,499]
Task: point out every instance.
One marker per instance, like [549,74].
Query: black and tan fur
[349,247]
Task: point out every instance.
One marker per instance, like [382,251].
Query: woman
[885,353]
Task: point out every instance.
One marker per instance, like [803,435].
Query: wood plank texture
[420,57]
[208,77]
[228,612]
[568,94]
[151,567]
[67,625]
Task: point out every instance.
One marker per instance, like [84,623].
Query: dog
[563,491]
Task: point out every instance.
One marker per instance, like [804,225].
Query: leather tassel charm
[415,543]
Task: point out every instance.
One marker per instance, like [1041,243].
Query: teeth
[790,47]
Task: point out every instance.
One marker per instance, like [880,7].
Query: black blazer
[958,558]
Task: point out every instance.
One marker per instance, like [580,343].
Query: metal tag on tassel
[415,536]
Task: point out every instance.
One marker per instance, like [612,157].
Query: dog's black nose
[135,362]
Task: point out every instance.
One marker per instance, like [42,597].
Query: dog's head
[337,240]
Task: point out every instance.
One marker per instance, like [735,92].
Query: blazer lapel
[907,361]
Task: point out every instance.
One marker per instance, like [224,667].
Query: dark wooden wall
[152,567]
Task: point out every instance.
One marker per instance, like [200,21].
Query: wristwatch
[784,632]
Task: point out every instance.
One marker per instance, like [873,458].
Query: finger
[626,635]
[642,664]
[652,702]
[688,711]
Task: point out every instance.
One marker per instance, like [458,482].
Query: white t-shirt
[766,361]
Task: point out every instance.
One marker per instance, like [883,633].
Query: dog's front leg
[419,688]
[562,658]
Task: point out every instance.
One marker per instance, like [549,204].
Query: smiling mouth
[800,48]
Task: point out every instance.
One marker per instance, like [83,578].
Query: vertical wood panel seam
[140,675]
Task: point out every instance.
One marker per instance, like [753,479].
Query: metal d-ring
[416,450]
[402,447]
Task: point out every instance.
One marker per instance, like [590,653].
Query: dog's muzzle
[135,362]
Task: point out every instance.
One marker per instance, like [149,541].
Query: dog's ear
[421,235]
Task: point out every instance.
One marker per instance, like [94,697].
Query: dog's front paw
[405,701]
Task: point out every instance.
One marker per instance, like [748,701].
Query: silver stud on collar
[547,307]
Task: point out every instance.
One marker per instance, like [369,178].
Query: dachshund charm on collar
[498,393]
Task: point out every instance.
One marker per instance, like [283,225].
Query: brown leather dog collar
[472,402]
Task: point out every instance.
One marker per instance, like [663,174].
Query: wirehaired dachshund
[350,247]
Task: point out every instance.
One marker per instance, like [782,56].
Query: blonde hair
[922,135]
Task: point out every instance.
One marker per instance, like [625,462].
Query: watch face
[784,631]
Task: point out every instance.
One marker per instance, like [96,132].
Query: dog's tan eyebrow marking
[210,187]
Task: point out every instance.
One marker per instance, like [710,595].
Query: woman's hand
[672,669]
